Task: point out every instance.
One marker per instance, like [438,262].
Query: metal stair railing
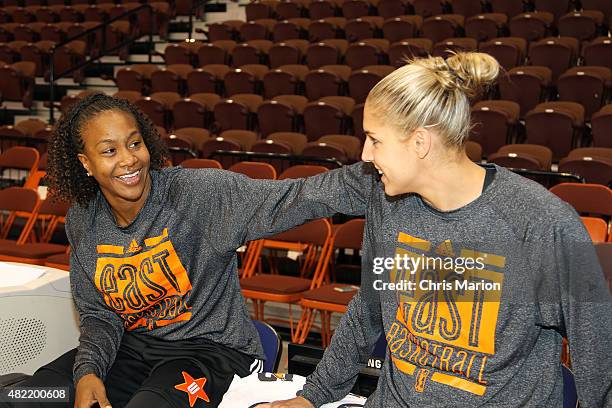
[102,52]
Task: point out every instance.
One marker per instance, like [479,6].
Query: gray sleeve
[101,328]
[586,310]
[352,343]
[252,209]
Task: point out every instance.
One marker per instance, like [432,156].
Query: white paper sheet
[12,274]
[256,389]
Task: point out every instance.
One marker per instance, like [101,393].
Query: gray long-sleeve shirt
[172,273]
[494,345]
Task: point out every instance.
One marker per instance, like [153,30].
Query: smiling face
[116,156]
[396,157]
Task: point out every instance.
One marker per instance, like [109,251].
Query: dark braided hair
[66,176]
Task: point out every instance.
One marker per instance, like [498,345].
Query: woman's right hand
[89,390]
[297,402]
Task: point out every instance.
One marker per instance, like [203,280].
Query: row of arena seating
[583,26]
[37,55]
[71,13]
[559,125]
[337,115]
[437,28]
[497,121]
[26,11]
[295,79]
[390,8]
[53,32]
[594,164]
[558,53]
[23,39]
[588,86]
[358,8]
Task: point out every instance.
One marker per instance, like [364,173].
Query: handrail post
[52,86]
[153,24]
[102,50]
[193,8]
[195,5]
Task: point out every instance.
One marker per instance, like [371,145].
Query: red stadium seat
[601,126]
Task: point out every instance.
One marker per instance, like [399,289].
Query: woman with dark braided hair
[153,266]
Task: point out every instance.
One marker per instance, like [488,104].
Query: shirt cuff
[311,397]
[83,370]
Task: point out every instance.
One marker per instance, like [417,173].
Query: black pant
[152,373]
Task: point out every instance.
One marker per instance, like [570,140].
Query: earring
[88,175]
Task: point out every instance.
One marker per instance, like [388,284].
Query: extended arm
[101,328]
[252,209]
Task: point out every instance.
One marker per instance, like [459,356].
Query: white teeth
[127,176]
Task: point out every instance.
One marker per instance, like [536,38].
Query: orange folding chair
[21,163]
[334,297]
[249,258]
[50,210]
[314,241]
[37,176]
[587,200]
[17,202]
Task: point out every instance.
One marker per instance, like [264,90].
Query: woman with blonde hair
[473,273]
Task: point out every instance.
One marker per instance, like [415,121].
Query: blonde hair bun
[475,71]
[435,93]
